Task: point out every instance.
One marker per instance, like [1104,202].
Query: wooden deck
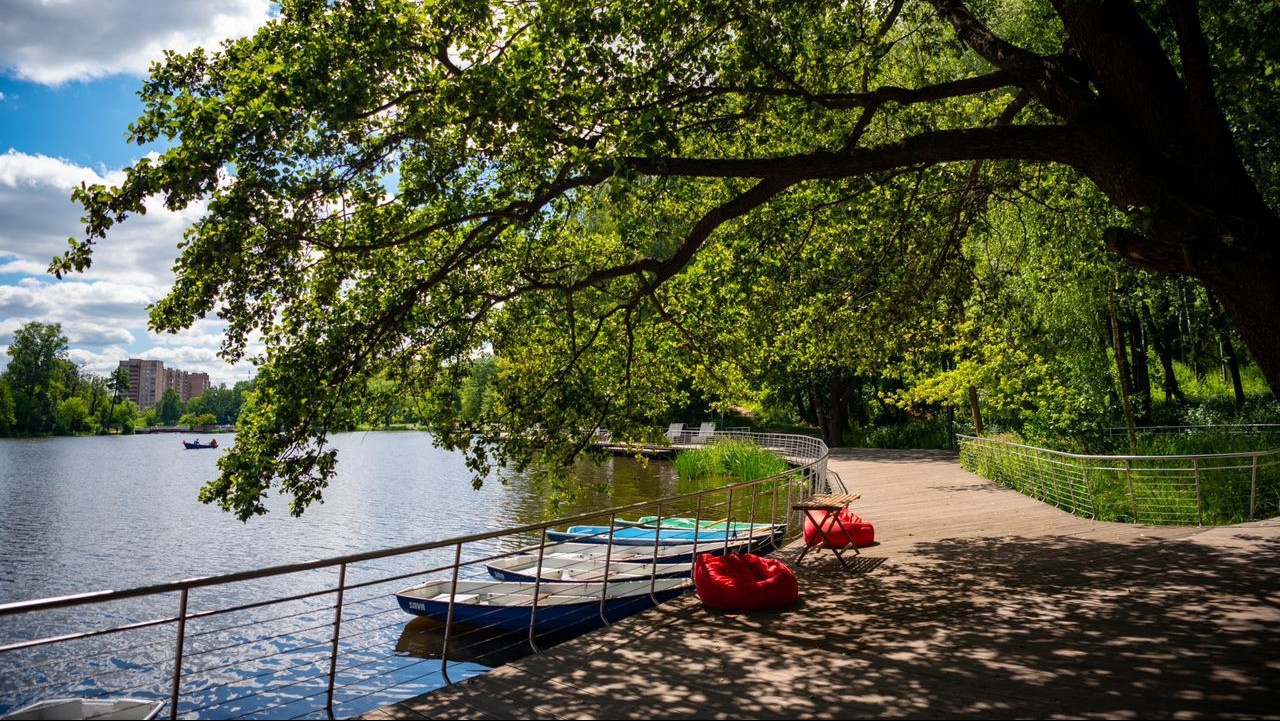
[978,602]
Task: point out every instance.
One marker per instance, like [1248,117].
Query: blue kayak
[639,536]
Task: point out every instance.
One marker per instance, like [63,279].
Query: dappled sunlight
[1084,620]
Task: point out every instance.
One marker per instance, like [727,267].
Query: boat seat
[460,598]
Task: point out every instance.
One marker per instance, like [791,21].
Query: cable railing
[1213,489]
[329,637]
[1231,429]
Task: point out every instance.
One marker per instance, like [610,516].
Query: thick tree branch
[992,48]
[662,270]
[1127,62]
[1049,78]
[846,101]
[1052,143]
[1193,52]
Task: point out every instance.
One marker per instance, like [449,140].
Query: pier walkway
[978,603]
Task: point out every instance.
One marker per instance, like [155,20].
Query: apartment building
[148,380]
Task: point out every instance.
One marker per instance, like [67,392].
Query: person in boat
[214,443]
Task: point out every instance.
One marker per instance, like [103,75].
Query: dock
[978,602]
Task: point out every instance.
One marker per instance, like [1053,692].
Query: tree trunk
[857,407]
[974,411]
[1251,297]
[1141,373]
[1163,338]
[1228,349]
[1122,370]
[804,411]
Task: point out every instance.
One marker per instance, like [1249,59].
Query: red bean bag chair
[860,533]
[744,582]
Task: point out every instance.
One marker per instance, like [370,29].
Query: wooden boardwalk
[978,602]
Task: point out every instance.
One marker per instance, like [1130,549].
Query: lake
[85,514]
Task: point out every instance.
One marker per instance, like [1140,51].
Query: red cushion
[860,533]
[744,582]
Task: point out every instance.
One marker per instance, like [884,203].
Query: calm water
[83,514]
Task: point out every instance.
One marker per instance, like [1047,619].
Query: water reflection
[84,514]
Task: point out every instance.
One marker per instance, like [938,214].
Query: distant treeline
[43,393]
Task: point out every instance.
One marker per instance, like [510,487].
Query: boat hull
[639,554]
[590,570]
[562,607]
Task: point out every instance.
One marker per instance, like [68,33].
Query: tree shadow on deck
[989,627]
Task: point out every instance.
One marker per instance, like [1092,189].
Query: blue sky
[69,74]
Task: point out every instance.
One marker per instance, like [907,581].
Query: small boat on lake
[89,708]
[583,570]
[560,606]
[192,446]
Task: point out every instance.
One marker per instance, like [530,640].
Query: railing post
[751,520]
[1084,484]
[1195,465]
[657,538]
[773,505]
[537,589]
[728,523]
[337,630]
[1253,489]
[177,656]
[790,484]
[608,557]
[448,619]
[1133,499]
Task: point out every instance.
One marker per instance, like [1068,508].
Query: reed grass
[736,459]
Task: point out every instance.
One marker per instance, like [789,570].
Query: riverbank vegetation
[43,393]
[858,217]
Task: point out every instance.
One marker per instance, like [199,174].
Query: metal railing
[326,637]
[1233,429]
[1214,489]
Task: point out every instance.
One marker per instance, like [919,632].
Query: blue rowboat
[562,607]
[559,569]
[640,536]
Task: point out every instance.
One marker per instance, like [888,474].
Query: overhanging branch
[1051,143]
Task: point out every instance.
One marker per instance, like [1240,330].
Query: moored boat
[638,554]
[560,606]
[688,524]
[89,708]
[642,536]
[582,570]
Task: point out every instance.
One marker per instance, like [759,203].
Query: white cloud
[103,312]
[37,216]
[54,41]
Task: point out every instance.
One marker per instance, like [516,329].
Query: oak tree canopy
[395,186]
